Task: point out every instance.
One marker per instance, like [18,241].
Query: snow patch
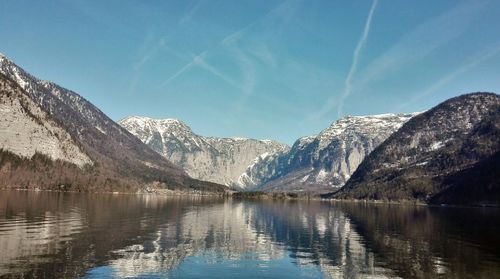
[100,129]
[437,145]
[19,78]
[304,179]
[322,175]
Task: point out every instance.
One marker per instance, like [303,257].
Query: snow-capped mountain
[220,160]
[41,118]
[447,154]
[323,161]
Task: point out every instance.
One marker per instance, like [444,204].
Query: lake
[70,235]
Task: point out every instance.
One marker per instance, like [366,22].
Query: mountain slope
[318,163]
[21,117]
[477,185]
[73,130]
[427,155]
[220,160]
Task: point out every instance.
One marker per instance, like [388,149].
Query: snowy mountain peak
[367,121]
[369,124]
[4,59]
[220,160]
[325,160]
[43,117]
[433,152]
[169,125]
[303,141]
[145,119]
[238,138]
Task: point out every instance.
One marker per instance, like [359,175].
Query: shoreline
[165,193]
[255,196]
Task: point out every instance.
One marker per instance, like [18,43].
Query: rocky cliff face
[40,117]
[25,129]
[325,161]
[433,152]
[220,160]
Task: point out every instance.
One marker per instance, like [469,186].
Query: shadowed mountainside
[436,156]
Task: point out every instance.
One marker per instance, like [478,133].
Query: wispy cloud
[148,54]
[472,62]
[248,71]
[355,59]
[193,62]
[276,19]
[284,11]
[352,70]
[263,53]
[423,40]
[150,49]
[192,8]
[209,67]
[147,50]
[411,48]
[200,60]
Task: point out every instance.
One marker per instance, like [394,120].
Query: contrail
[195,61]
[226,40]
[473,62]
[355,58]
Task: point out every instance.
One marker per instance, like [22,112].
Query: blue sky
[260,69]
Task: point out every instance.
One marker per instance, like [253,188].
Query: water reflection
[262,231]
[223,229]
[423,242]
[73,235]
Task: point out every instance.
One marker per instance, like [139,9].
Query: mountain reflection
[313,233]
[431,242]
[70,235]
[223,229]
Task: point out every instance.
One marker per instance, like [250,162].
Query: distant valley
[325,161]
[312,164]
[220,160]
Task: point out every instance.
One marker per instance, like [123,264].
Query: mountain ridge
[326,160]
[120,160]
[416,162]
[220,160]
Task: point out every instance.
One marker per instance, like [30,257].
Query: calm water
[56,235]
